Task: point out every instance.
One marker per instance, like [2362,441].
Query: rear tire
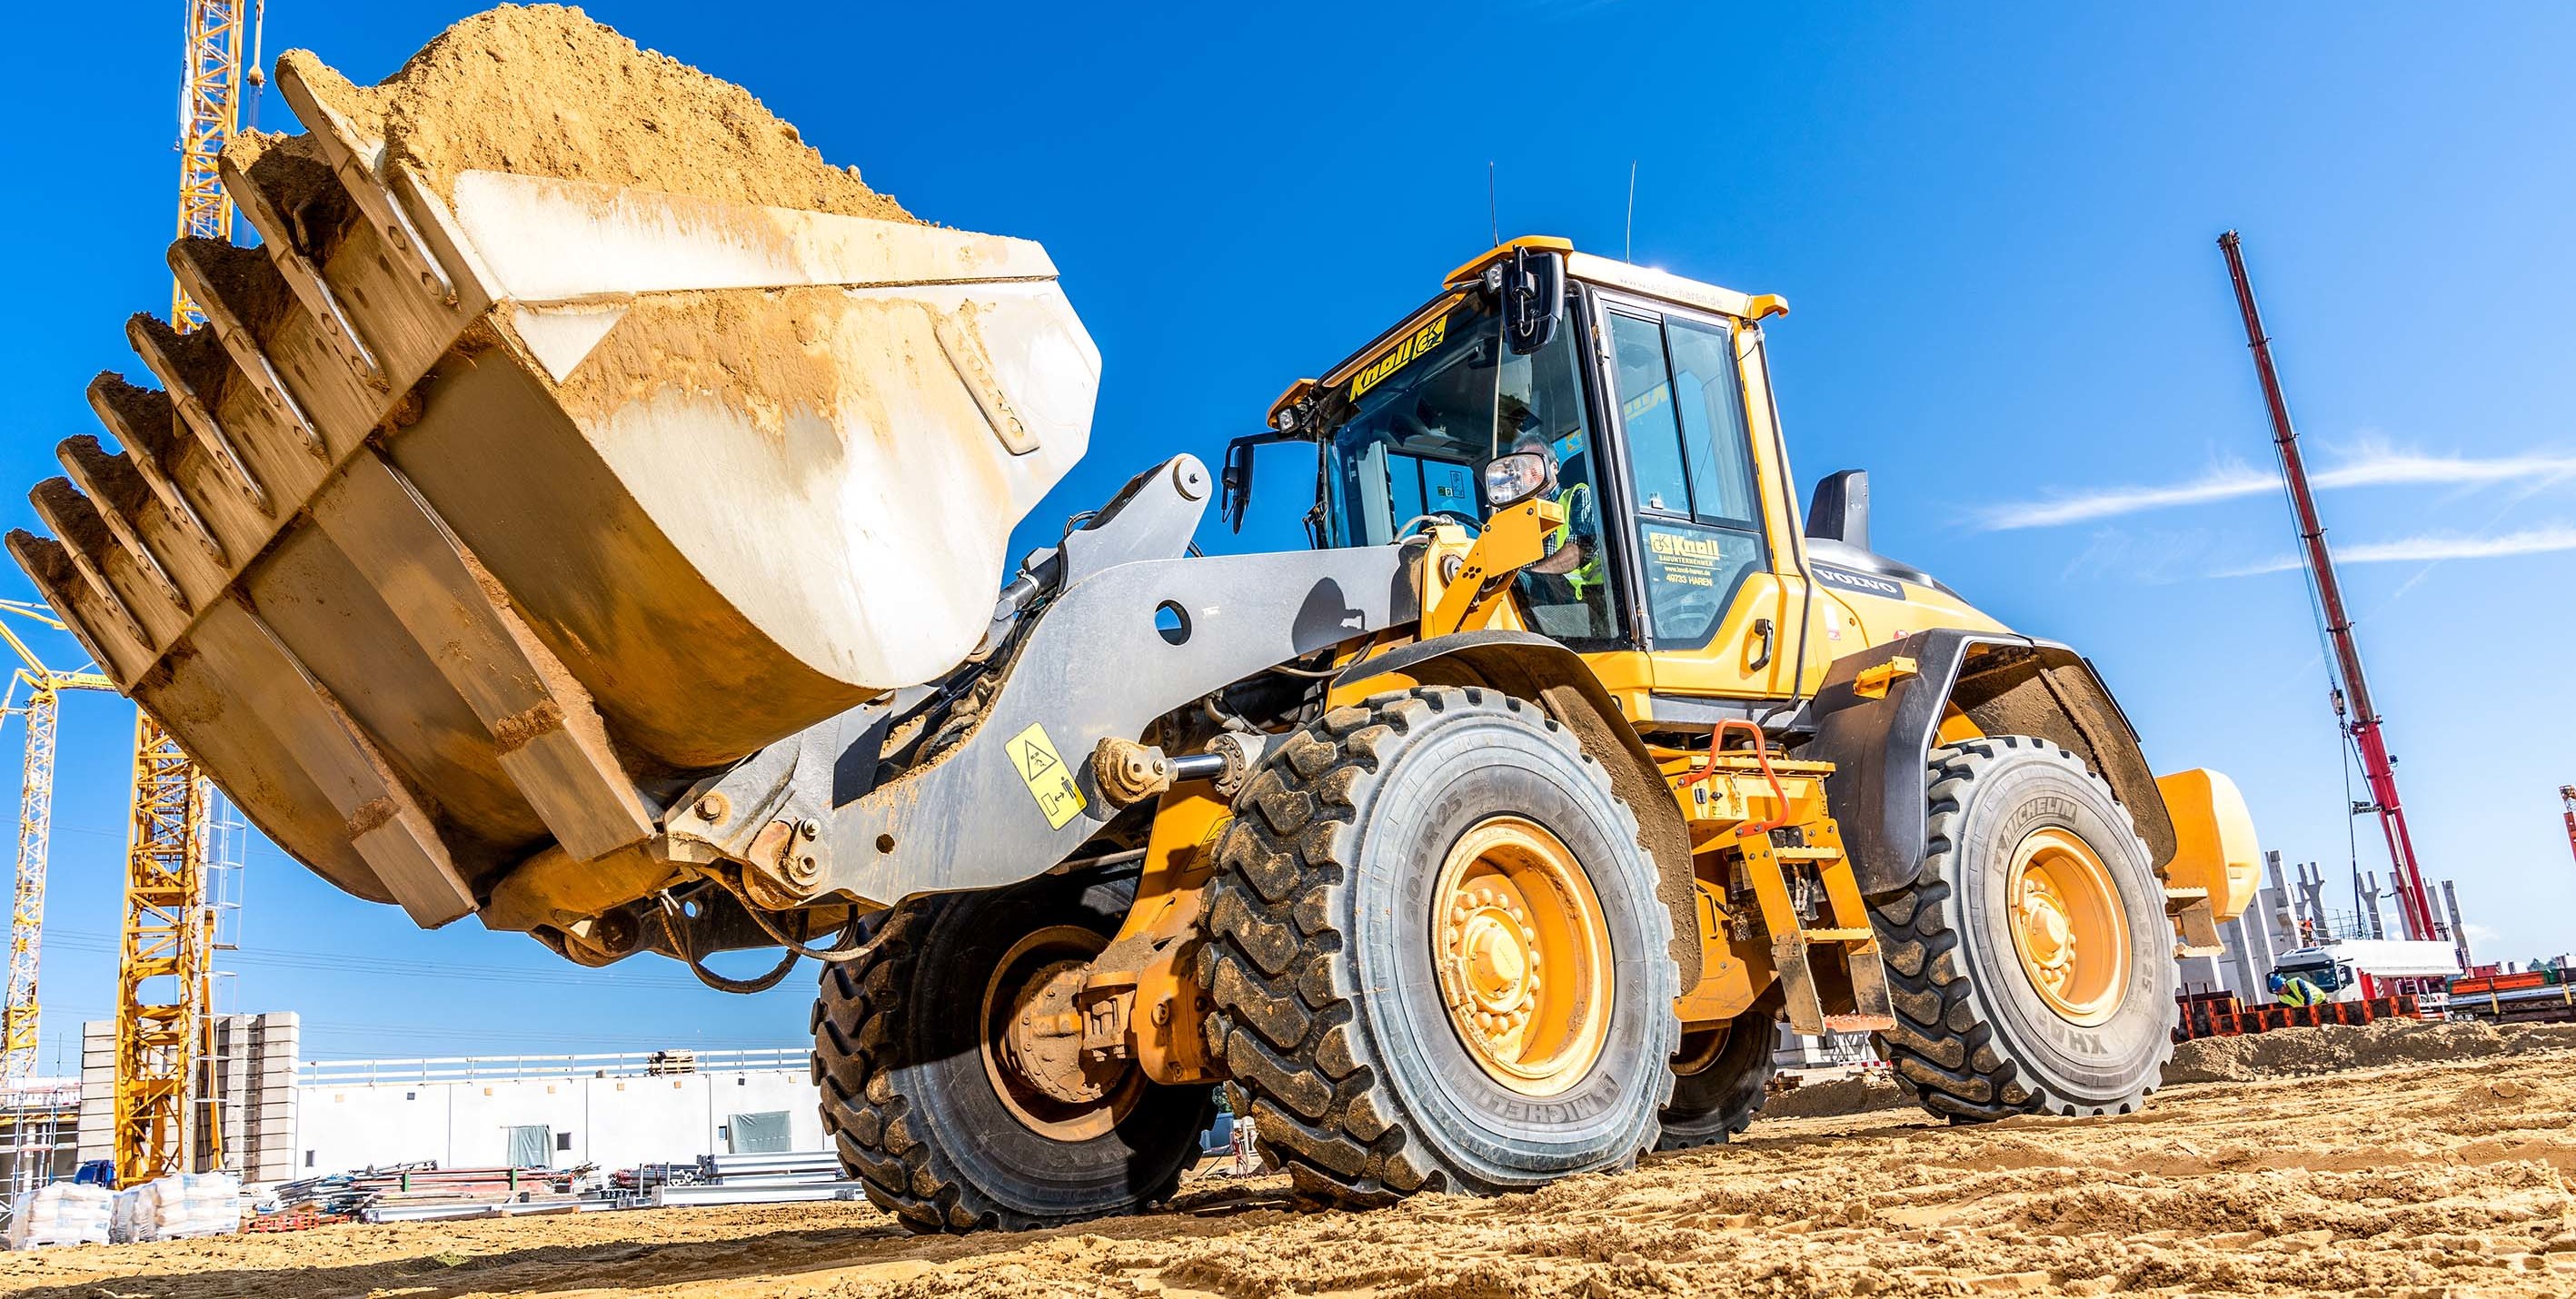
[1998,1013]
[1354,893]
[1722,1076]
[922,1112]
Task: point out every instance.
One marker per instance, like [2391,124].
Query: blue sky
[1994,226]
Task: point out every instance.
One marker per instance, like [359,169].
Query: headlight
[1514,478]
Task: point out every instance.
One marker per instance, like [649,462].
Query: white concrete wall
[614,1122]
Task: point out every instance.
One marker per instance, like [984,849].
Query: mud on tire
[1328,1008]
[908,1101]
[1974,1039]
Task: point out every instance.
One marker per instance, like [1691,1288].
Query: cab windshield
[1407,435]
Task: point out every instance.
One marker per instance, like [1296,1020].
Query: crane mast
[2362,723]
[165,1027]
[209,113]
[33,1126]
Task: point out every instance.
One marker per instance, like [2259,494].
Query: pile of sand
[1861,1093]
[542,90]
[2362,1046]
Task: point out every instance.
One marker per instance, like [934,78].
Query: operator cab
[1649,395]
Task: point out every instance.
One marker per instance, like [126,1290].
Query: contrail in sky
[2435,546]
[2372,465]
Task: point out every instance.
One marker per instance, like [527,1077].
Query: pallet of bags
[187,1204]
[64,1213]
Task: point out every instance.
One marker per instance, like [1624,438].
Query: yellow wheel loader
[618,567]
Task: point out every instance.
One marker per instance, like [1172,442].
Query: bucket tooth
[182,364]
[242,296]
[144,423]
[49,564]
[289,227]
[86,542]
[354,154]
[120,496]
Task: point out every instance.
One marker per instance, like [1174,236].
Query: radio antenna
[1628,249]
[1493,214]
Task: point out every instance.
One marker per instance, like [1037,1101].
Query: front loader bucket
[480,515]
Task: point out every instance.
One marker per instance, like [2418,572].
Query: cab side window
[1681,403]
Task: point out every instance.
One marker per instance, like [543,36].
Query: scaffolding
[37,1115]
[222,1083]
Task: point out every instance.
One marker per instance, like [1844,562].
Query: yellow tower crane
[44,686]
[164,1026]
[32,1120]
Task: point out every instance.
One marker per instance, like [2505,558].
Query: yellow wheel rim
[1523,953]
[2068,926]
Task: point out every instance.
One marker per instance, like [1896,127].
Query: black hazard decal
[1862,583]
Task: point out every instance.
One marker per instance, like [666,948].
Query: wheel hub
[1043,1043]
[1522,950]
[1033,1051]
[2068,926]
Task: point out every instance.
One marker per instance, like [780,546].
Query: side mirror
[1839,511]
[1234,490]
[1533,299]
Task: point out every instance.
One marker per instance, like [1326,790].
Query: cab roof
[1645,281]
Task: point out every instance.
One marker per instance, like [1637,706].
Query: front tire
[2031,963]
[1437,957]
[924,1090]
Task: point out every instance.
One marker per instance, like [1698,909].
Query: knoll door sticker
[1050,782]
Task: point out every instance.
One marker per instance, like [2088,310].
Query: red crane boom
[2567,796]
[2414,902]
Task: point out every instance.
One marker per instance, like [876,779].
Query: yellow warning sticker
[1050,782]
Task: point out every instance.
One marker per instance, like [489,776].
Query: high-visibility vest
[1588,573]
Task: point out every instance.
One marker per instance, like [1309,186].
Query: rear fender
[1880,743]
[1532,667]
[2215,847]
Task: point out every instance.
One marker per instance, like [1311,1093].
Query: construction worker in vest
[1573,549]
[2295,990]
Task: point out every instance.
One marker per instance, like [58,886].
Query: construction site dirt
[2420,1179]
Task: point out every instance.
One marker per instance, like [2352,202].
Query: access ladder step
[1837,935]
[1818,853]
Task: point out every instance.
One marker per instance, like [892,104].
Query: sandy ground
[2435,1180]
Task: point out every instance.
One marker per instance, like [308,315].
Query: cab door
[1708,583]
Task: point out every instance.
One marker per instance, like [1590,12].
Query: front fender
[1880,745]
